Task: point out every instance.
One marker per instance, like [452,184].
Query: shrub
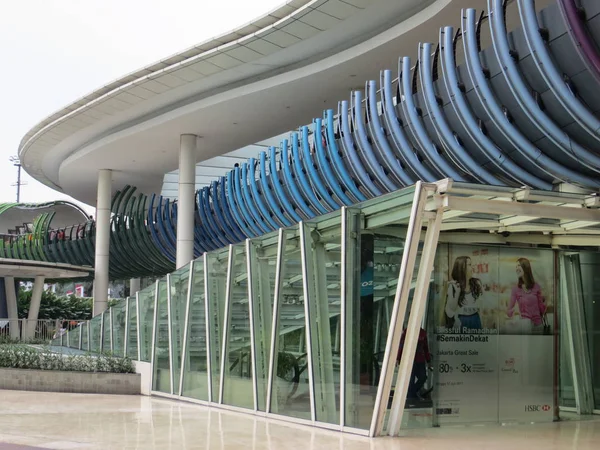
[25,357]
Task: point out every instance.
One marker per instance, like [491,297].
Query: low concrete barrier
[77,382]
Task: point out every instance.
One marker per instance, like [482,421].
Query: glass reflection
[132,342]
[162,370]
[107,332]
[146,307]
[179,292]
[118,328]
[291,391]
[217,283]
[263,284]
[238,387]
[195,372]
[95,333]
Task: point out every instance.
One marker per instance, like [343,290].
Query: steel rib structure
[521,112]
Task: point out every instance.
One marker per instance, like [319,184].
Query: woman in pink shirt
[528,295]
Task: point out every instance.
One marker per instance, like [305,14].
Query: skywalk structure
[457,192]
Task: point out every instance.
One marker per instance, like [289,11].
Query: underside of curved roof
[297,34]
[521,112]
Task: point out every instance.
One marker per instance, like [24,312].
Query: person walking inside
[421,362]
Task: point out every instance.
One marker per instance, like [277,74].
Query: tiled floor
[80,421]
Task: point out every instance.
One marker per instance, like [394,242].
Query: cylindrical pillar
[11,307]
[134,286]
[102,241]
[34,307]
[186,201]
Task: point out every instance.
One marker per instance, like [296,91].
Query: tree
[55,307]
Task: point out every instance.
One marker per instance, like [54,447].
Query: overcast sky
[55,51]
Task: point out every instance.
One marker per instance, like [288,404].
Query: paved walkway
[80,421]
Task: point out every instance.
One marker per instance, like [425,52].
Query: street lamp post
[17,164]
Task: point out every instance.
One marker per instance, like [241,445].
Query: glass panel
[106,337]
[74,337]
[263,286]
[162,371]
[95,337]
[238,387]
[132,342]
[195,375]
[84,336]
[567,386]
[179,291]
[590,268]
[118,328]
[217,281]
[146,307]
[324,268]
[373,268]
[291,391]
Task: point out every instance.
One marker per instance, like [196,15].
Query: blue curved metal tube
[329,177]
[275,206]
[300,200]
[279,190]
[338,164]
[380,139]
[416,126]
[490,103]
[373,164]
[349,149]
[523,96]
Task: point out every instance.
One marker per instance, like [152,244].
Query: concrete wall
[78,382]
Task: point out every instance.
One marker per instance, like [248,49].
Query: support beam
[11,306]
[34,307]
[186,202]
[102,241]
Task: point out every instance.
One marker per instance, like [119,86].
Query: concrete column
[134,286]
[11,306]
[34,307]
[186,201]
[102,241]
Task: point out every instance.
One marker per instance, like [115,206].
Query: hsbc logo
[537,408]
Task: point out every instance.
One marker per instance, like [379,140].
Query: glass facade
[375,318]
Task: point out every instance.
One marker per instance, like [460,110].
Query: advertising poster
[493,351]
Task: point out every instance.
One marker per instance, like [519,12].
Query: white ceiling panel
[106,107]
[244,54]
[265,21]
[298,3]
[140,91]
[170,80]
[85,119]
[359,3]
[155,86]
[282,12]
[116,103]
[128,97]
[96,114]
[319,20]
[300,30]
[263,47]
[247,29]
[337,8]
[187,74]
[204,67]
[227,38]
[280,38]
[224,61]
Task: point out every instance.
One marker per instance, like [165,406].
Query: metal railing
[25,330]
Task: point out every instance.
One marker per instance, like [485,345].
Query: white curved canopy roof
[264,78]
